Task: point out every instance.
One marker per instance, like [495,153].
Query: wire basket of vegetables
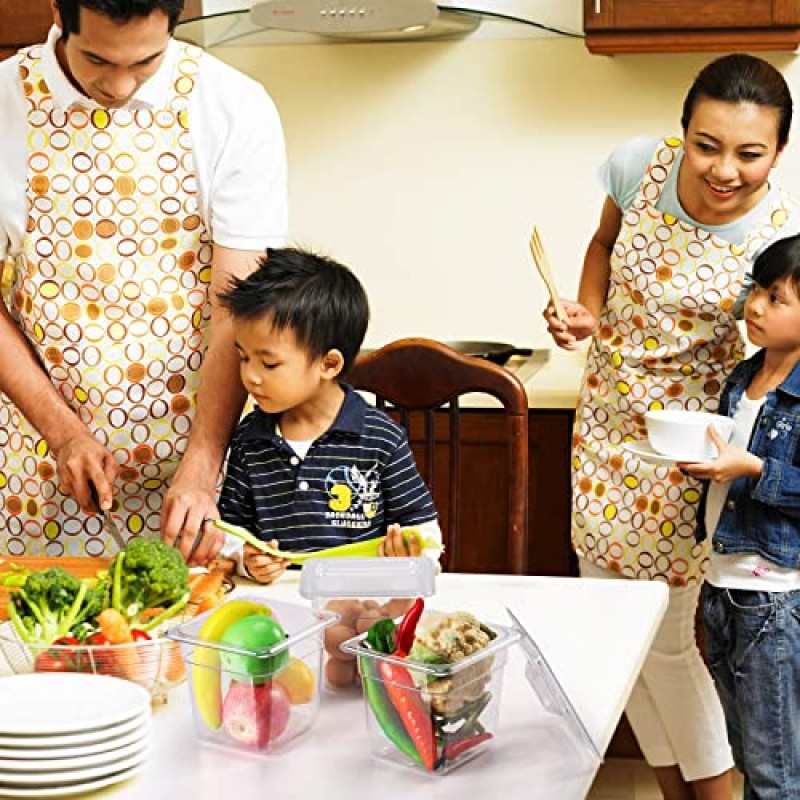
[110,625]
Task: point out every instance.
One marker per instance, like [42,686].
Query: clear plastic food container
[361,591]
[432,717]
[249,696]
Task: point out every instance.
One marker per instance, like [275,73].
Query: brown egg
[334,636]
[366,620]
[347,608]
[371,605]
[397,607]
[340,673]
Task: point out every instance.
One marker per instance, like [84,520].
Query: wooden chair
[413,378]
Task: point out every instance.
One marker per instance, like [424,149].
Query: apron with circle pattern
[666,339]
[111,290]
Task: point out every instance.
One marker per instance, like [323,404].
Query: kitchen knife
[108,521]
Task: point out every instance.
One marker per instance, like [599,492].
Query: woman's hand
[262,567]
[731,463]
[580,323]
[80,461]
[185,518]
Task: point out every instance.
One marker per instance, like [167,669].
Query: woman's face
[730,149]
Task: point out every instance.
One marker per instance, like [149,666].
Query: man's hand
[394,543]
[731,463]
[81,460]
[262,567]
[186,523]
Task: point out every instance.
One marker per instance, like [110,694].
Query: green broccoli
[50,603]
[148,574]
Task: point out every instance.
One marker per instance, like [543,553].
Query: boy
[313,465]
[751,599]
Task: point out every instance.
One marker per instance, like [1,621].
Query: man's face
[108,61]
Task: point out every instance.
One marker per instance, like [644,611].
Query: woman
[681,223]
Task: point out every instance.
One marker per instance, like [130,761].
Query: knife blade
[108,521]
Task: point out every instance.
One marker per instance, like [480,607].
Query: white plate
[62,790]
[58,764]
[644,452]
[46,703]
[140,731]
[81,738]
[66,776]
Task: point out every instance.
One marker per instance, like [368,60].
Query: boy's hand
[264,568]
[394,543]
[731,463]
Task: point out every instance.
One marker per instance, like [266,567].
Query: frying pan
[497,352]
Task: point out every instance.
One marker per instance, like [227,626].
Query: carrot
[117,631]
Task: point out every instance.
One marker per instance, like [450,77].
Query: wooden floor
[631,779]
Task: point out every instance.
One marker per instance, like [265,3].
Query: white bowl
[683,435]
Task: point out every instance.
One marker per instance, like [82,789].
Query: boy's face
[276,371]
[772,316]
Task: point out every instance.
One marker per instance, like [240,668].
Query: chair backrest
[422,375]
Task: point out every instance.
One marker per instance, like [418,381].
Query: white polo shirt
[237,142]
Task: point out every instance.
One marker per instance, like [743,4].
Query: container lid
[370,577]
[550,692]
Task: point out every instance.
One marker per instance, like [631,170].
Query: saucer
[644,452]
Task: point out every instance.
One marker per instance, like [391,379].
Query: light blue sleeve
[622,172]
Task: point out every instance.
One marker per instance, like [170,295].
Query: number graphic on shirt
[341,497]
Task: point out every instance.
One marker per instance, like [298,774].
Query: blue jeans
[754,656]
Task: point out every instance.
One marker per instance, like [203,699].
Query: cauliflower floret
[451,636]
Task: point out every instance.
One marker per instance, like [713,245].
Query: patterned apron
[666,339]
[111,290]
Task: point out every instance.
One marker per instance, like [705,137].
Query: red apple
[255,714]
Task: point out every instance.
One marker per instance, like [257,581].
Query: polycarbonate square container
[255,700]
[452,709]
[361,591]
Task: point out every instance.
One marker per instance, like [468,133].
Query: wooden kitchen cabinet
[672,26]
[23,22]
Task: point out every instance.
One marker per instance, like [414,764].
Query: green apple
[256,634]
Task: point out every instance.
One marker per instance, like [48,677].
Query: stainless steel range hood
[253,22]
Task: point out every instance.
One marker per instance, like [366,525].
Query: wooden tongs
[543,265]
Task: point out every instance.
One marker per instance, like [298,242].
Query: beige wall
[424,165]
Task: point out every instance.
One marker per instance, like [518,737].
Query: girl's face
[772,316]
[730,149]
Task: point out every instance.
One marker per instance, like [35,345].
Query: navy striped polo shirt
[356,479]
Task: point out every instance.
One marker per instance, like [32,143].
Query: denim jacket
[763,516]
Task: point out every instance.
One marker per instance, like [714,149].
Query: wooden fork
[543,265]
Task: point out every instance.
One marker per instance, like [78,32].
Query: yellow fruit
[206,682]
[298,681]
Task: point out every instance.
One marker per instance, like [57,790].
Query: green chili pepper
[384,711]
[380,635]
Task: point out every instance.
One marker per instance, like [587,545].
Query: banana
[206,682]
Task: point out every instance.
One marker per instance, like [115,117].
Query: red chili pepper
[139,635]
[455,749]
[404,635]
[413,712]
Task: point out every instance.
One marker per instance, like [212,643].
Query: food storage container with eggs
[361,591]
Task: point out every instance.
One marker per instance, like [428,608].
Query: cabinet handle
[597,6]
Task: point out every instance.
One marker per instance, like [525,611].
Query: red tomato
[100,656]
[52,661]
[139,635]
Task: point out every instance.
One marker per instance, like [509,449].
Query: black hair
[777,262]
[120,11]
[742,78]
[319,300]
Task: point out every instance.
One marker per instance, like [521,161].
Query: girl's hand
[580,324]
[394,543]
[264,568]
[731,463]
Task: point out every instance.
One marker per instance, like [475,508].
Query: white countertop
[593,633]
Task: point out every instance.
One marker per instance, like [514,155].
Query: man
[137,174]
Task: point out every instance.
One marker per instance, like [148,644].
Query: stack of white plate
[67,733]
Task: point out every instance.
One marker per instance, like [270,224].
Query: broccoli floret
[148,574]
[49,604]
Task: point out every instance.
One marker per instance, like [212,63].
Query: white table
[593,633]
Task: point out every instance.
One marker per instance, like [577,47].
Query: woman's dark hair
[319,300]
[742,78]
[777,262]
[118,10]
